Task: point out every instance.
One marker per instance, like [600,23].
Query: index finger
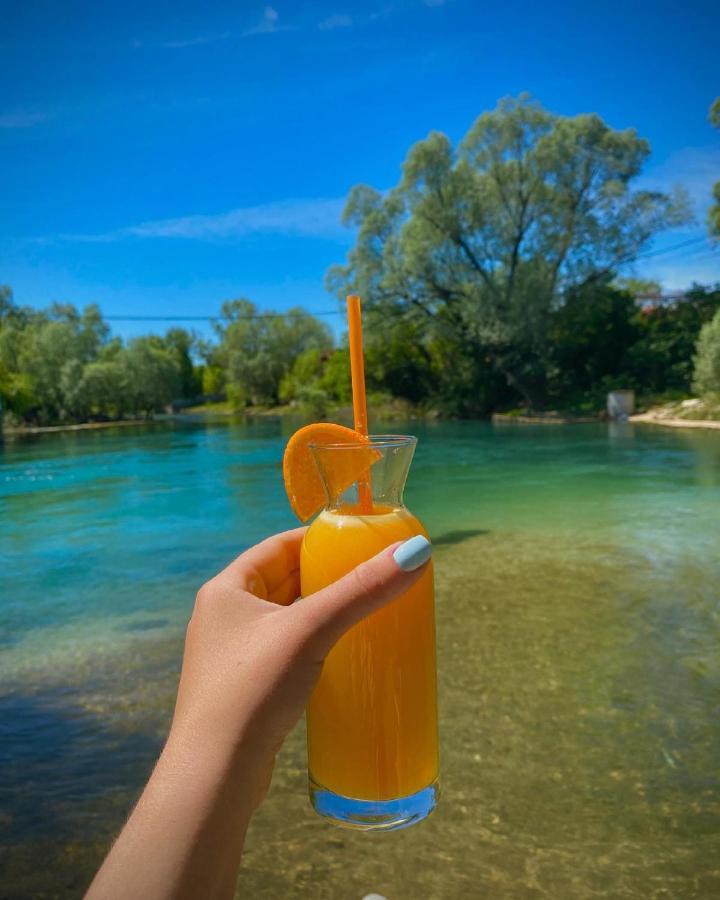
[270,569]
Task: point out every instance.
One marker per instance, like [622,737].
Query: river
[578,574]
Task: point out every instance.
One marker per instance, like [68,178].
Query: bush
[706,379]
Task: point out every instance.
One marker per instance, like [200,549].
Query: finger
[373,584]
[270,569]
[284,594]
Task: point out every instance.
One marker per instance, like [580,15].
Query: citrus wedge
[302,480]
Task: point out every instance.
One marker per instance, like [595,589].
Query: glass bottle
[372,718]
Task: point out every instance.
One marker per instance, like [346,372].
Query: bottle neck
[365,478]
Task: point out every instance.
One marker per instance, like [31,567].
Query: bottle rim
[374,441]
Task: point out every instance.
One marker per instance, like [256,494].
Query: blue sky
[157,158]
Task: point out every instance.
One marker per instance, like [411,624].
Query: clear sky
[157,158]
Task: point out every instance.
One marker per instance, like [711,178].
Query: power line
[255,316]
[662,250]
[216,317]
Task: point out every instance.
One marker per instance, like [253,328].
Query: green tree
[714,212]
[49,350]
[400,359]
[305,371]
[592,335]
[7,305]
[320,377]
[182,344]
[662,357]
[104,388]
[706,377]
[335,376]
[257,350]
[150,373]
[479,244]
[212,380]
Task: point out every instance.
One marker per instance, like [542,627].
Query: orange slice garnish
[302,479]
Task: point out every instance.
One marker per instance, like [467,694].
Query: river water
[578,574]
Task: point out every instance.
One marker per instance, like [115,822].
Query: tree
[257,351]
[714,212]
[324,376]
[479,244]
[181,343]
[105,388]
[49,350]
[706,378]
[592,335]
[7,304]
[662,357]
[151,374]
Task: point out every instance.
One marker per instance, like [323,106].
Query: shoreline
[651,418]
[540,419]
[84,426]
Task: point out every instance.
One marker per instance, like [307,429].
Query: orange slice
[302,480]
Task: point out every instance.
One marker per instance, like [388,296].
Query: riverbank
[651,419]
[681,414]
[689,413]
[549,418]
[84,426]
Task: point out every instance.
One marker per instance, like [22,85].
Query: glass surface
[372,718]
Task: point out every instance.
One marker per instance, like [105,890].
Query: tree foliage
[60,365]
[661,359]
[256,351]
[714,212]
[706,379]
[478,244]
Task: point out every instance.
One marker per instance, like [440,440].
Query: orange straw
[357,374]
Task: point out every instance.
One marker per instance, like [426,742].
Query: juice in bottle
[372,718]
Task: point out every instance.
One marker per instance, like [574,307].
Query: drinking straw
[357,375]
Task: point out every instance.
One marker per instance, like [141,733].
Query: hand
[252,657]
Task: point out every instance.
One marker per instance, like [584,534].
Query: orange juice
[372,718]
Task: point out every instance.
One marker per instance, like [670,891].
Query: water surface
[578,626]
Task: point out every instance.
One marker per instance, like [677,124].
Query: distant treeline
[62,365]
[487,277]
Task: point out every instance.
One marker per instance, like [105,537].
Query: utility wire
[215,317]
[648,253]
[662,250]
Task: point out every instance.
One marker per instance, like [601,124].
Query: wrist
[214,766]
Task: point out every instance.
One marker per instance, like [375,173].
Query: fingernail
[413,553]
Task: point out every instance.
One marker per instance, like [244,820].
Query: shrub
[706,379]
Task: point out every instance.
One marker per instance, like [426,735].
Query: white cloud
[22,119]
[301,218]
[337,20]
[267,25]
[195,42]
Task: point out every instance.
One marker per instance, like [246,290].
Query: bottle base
[374,815]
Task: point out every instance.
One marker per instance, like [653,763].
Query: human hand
[252,655]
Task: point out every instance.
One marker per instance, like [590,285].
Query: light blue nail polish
[413,553]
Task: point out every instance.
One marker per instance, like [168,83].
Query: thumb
[329,613]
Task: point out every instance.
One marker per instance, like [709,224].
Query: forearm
[184,838]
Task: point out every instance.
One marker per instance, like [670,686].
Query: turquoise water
[583,559]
